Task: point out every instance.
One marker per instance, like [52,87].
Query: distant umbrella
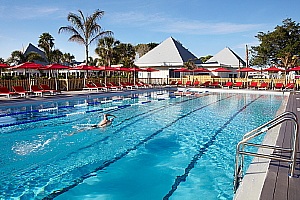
[150,70]
[247,69]
[273,69]
[56,66]
[294,69]
[200,70]
[28,65]
[221,70]
[182,70]
[2,65]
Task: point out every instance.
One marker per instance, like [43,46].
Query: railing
[78,84]
[240,148]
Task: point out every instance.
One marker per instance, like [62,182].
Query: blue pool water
[158,147]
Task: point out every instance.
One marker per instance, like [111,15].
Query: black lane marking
[109,162]
[201,151]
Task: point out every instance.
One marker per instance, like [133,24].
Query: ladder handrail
[254,133]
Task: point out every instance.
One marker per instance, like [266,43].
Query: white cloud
[159,23]
[22,12]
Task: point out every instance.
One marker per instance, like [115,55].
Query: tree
[288,61]
[205,58]
[17,57]
[142,49]
[67,58]
[273,45]
[85,30]
[126,54]
[190,64]
[106,50]
[46,42]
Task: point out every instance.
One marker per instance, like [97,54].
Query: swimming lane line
[120,156]
[201,151]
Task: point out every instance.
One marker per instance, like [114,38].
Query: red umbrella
[200,70]
[182,70]
[121,69]
[247,69]
[28,65]
[221,70]
[273,69]
[83,67]
[150,70]
[294,69]
[135,69]
[56,66]
[2,65]
[106,68]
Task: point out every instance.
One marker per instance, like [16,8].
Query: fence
[78,84]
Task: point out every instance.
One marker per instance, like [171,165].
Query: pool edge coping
[253,181]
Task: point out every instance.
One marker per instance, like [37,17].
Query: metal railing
[240,148]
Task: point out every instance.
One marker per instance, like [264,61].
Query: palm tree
[106,49]
[85,30]
[126,54]
[17,57]
[46,42]
[67,58]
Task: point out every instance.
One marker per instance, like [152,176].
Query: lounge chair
[109,86]
[253,85]
[133,85]
[206,83]
[5,91]
[278,86]
[228,84]
[37,91]
[90,87]
[188,83]
[173,83]
[263,86]
[289,86]
[179,83]
[140,85]
[214,84]
[196,83]
[21,91]
[117,86]
[48,89]
[100,86]
[237,85]
[146,84]
[126,86]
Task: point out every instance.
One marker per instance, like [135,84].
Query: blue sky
[205,27]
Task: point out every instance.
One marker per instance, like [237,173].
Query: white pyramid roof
[226,57]
[168,53]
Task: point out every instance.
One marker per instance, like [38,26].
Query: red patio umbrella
[221,70]
[2,66]
[135,69]
[150,70]
[247,69]
[83,67]
[273,69]
[200,70]
[56,66]
[28,65]
[294,69]
[182,70]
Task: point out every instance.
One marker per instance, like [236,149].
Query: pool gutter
[253,181]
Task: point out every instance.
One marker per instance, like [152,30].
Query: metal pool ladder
[240,148]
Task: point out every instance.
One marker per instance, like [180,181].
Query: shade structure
[221,70]
[150,70]
[121,69]
[182,70]
[106,68]
[2,65]
[84,67]
[135,69]
[200,70]
[294,69]
[28,65]
[56,66]
[272,69]
[247,69]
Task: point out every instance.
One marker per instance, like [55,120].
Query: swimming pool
[162,145]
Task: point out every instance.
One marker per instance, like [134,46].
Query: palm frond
[78,39]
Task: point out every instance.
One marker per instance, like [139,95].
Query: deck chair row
[34,89]
[113,86]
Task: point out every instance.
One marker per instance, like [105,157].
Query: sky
[204,27]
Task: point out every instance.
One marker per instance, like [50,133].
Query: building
[166,57]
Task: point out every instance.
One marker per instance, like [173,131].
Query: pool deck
[268,179]
[264,179]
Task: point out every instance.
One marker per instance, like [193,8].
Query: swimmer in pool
[105,122]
